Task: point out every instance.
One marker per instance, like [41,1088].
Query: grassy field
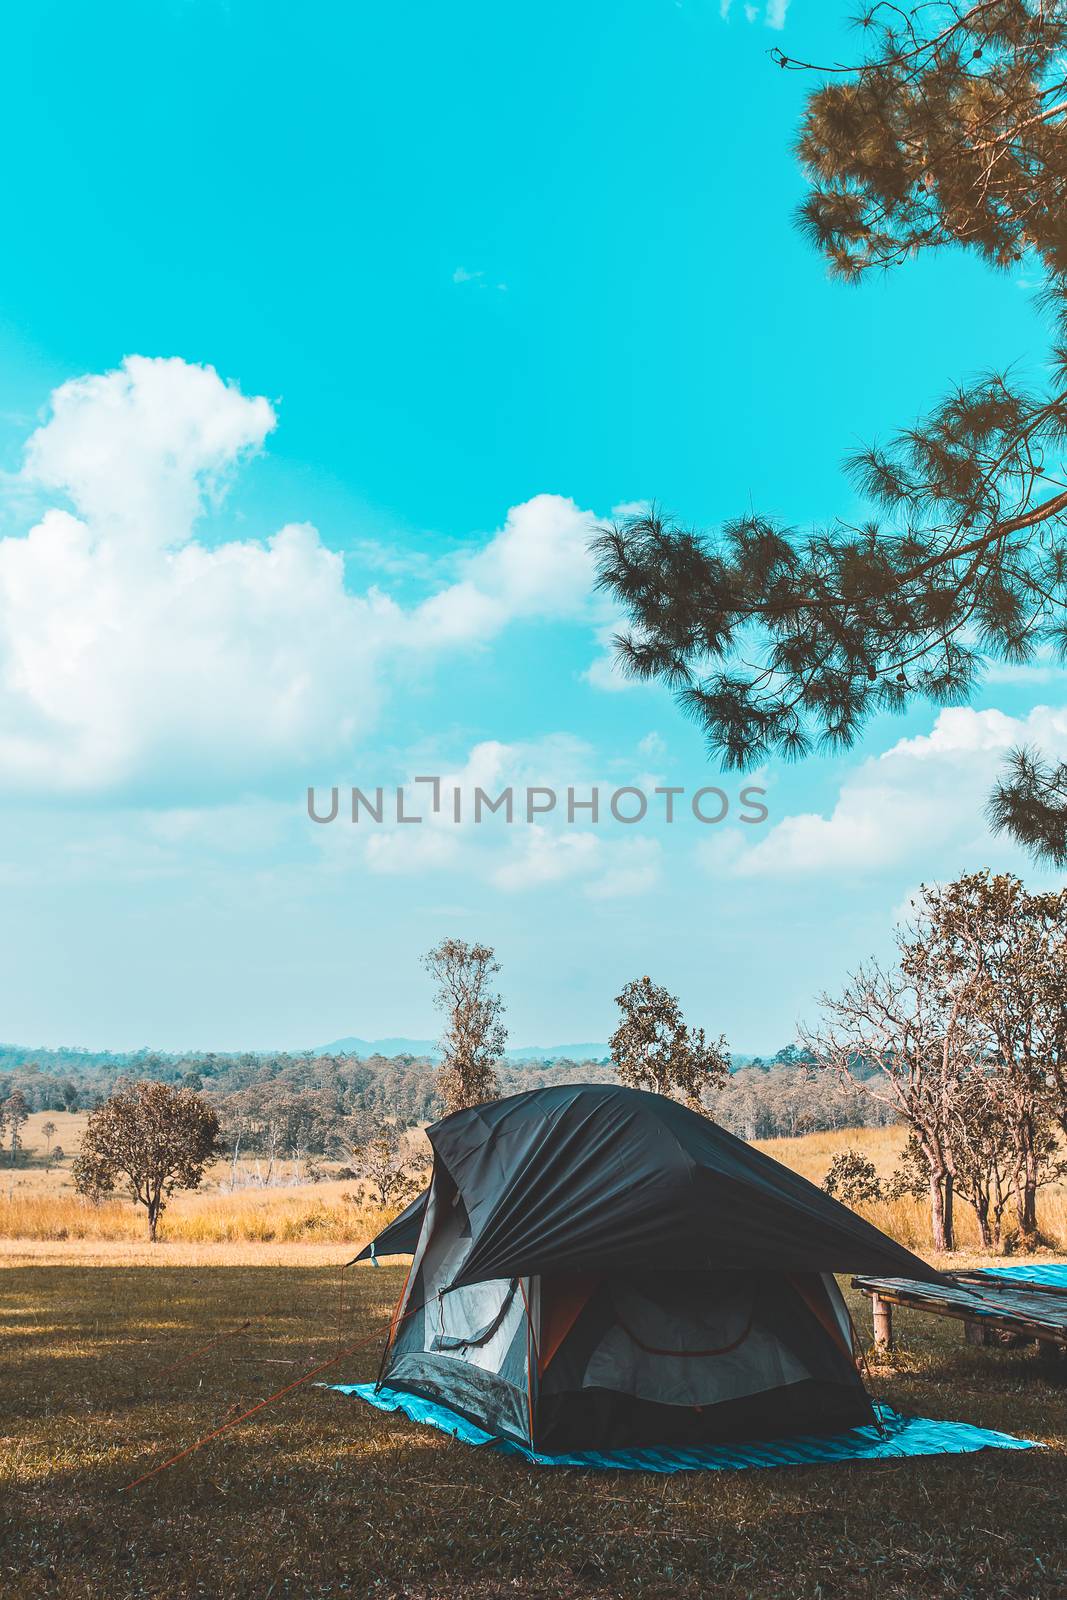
[318,1495]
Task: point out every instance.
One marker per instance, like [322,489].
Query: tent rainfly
[596,1268]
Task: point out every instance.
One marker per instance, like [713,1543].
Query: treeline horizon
[302,1104]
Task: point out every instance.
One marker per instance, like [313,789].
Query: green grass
[322,1496]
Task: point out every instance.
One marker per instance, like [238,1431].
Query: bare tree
[474,1037]
[895,1039]
[966,1038]
[151,1139]
[653,1049]
[237,1133]
[985,1160]
[49,1131]
[999,954]
[270,1135]
[17,1111]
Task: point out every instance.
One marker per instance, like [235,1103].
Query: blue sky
[432,290]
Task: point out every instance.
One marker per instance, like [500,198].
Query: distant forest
[306,1105]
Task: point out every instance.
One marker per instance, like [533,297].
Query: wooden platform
[986,1303]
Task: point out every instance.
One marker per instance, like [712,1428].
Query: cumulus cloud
[545,857]
[131,651]
[921,800]
[137,450]
[537,566]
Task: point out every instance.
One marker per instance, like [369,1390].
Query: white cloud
[907,908]
[634,869]
[774,15]
[604,672]
[537,566]
[545,857]
[410,851]
[963,732]
[139,449]
[1046,667]
[921,800]
[477,279]
[134,654]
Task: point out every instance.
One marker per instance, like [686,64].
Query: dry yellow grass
[327,1212]
[33,1170]
[39,1203]
[906,1219]
[811,1153]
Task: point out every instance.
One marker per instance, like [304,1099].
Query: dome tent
[597,1268]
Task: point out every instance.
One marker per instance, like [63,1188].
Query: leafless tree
[901,1044]
[999,955]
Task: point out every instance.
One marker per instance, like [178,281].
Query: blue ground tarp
[1047,1274]
[903,1436]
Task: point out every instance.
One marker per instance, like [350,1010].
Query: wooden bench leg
[975,1333]
[883,1322]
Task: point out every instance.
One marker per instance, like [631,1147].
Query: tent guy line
[233,1422]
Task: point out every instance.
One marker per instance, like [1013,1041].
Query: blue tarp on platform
[901,1436]
[1047,1274]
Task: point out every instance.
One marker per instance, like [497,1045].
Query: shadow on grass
[320,1494]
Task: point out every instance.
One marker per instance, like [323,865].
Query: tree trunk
[949,1230]
[1026,1207]
[937,1212]
[981,1211]
[1026,1191]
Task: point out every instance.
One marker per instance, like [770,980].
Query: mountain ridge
[353,1046]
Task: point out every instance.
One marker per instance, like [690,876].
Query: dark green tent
[597,1268]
